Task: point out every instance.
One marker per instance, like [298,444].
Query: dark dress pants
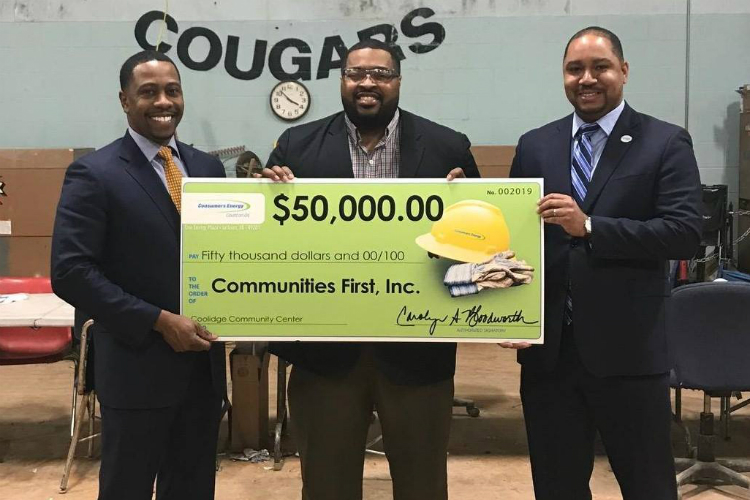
[176,446]
[563,410]
[330,417]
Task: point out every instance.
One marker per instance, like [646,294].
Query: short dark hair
[126,71]
[598,30]
[374,43]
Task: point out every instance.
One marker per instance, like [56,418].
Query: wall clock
[290,100]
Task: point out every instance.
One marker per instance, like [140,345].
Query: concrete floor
[488,455]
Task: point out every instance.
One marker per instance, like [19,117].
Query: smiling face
[153,101]
[593,76]
[369,103]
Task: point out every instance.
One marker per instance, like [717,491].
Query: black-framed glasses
[380,75]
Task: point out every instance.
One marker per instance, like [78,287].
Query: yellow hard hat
[468,231]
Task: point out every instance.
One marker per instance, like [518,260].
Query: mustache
[368,93]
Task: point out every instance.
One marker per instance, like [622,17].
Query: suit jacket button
[573,243]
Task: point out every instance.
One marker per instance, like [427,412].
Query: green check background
[353,316]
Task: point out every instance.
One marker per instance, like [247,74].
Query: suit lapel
[138,167]
[614,150]
[186,155]
[336,156]
[556,167]
[411,146]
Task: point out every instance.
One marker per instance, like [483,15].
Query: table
[40,309]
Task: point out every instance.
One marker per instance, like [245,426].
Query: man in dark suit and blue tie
[622,198]
[159,377]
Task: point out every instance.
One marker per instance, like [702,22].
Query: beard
[370,121]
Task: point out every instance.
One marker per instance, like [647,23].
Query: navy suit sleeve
[218,166]
[674,232]
[516,168]
[78,251]
[278,155]
[469,165]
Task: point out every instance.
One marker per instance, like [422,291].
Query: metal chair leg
[92,417]
[73,408]
[377,439]
[229,425]
[226,409]
[731,409]
[281,415]
[80,407]
[80,410]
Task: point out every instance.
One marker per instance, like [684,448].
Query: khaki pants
[330,417]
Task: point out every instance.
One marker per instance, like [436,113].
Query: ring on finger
[554,212]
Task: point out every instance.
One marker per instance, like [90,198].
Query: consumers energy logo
[224,206]
[218,208]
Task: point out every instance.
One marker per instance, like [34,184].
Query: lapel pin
[626,138]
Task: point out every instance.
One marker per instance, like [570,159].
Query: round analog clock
[290,100]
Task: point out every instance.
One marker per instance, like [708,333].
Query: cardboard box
[494,161]
[31,200]
[40,158]
[32,180]
[249,401]
[743,248]
[744,186]
[743,222]
[744,92]
[25,256]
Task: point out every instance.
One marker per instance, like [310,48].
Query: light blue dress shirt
[598,138]
[150,150]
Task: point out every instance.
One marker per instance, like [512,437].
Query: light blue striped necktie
[582,166]
[581,169]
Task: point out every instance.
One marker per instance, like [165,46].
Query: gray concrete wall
[496,74]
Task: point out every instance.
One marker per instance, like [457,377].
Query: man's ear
[124,101]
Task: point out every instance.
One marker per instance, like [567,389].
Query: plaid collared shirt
[385,158]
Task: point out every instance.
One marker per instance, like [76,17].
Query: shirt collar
[354,133]
[149,148]
[606,122]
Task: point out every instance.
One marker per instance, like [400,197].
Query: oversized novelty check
[376,260]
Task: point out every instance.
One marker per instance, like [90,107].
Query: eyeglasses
[379,75]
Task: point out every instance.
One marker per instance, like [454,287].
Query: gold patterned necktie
[173,175]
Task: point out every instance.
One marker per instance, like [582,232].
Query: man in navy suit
[334,386]
[622,198]
[159,377]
